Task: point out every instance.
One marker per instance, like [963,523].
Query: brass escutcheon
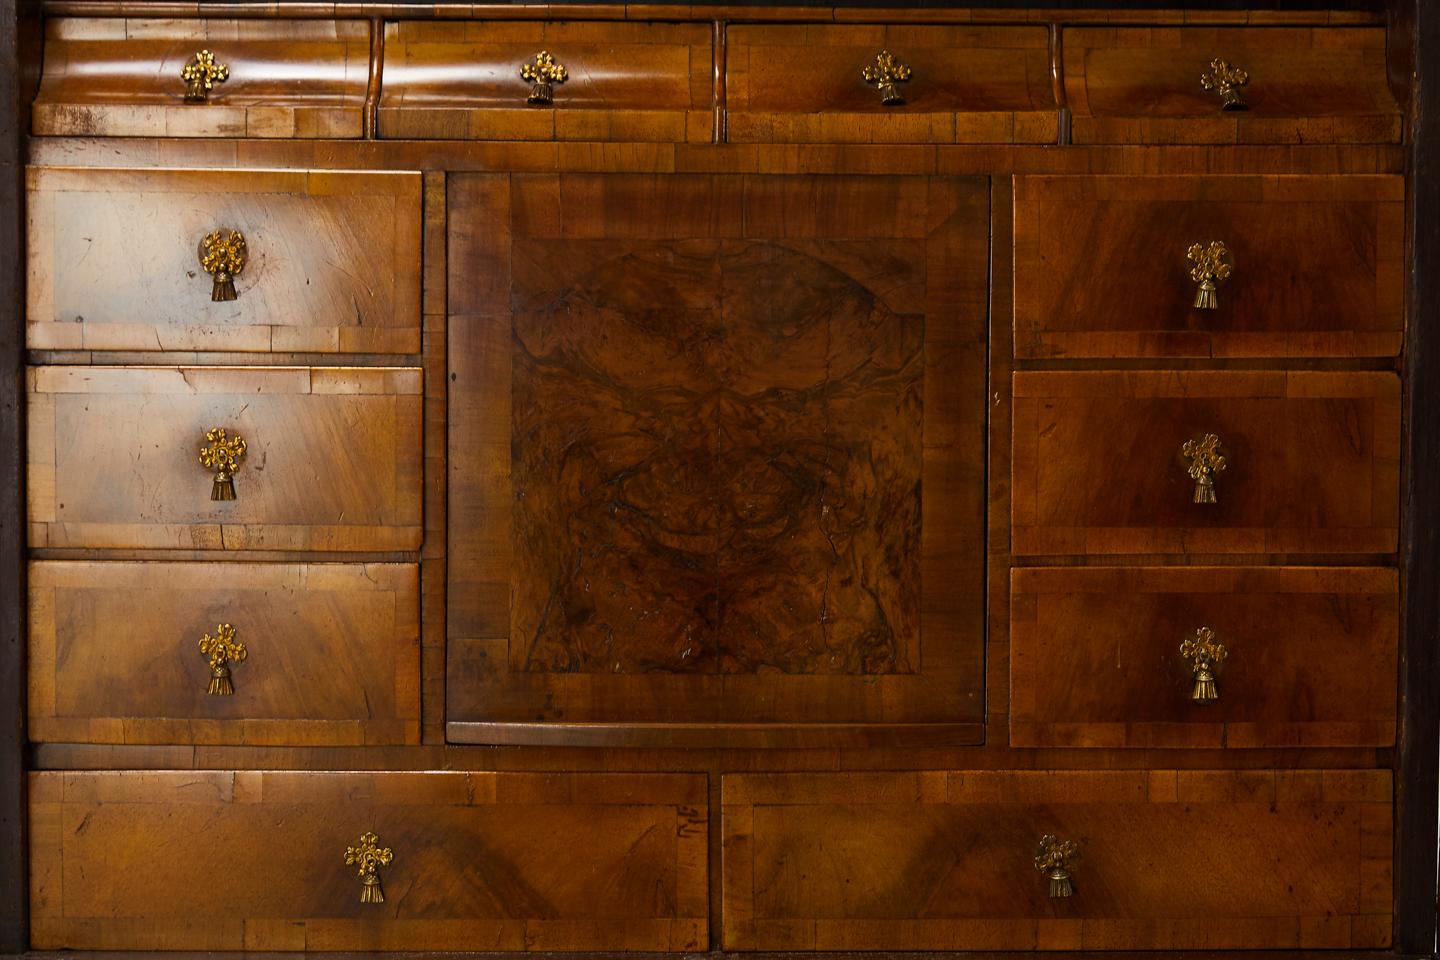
[543,74]
[884,74]
[1055,858]
[201,73]
[368,857]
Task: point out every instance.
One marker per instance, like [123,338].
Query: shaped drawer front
[330,260]
[321,654]
[218,860]
[332,461]
[1163,860]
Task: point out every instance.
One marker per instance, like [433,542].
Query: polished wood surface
[334,459]
[256,861]
[1095,656]
[333,653]
[1101,269]
[120,77]
[333,260]
[1168,860]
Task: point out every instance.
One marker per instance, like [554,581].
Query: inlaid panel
[716,454]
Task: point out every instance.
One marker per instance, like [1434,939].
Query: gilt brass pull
[543,74]
[1211,263]
[1204,655]
[368,857]
[884,74]
[201,73]
[222,453]
[1225,82]
[1055,858]
[1206,460]
[222,255]
[222,649]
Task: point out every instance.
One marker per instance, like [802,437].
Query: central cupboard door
[716,459]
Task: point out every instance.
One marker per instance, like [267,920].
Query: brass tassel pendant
[1204,687]
[1205,297]
[1060,885]
[220,684]
[370,890]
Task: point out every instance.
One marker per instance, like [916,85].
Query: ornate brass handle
[201,73]
[222,649]
[368,857]
[1206,460]
[1204,654]
[222,453]
[885,73]
[222,255]
[1055,858]
[543,74]
[1225,82]
[1211,263]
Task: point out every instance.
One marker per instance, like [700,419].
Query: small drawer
[262,861]
[242,653]
[1162,860]
[114,77]
[332,458]
[1300,462]
[1275,85]
[827,83]
[328,261]
[596,81]
[1288,657]
[1314,266]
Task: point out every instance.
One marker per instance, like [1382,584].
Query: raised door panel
[716,458]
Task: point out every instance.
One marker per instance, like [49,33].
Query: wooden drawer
[803,83]
[333,459]
[332,653]
[1305,85]
[203,860]
[1311,462]
[946,861]
[332,260]
[1310,660]
[1101,267]
[625,81]
[121,78]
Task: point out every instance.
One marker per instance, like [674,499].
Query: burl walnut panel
[333,260]
[1169,860]
[333,653]
[1095,656]
[1101,267]
[716,454]
[196,860]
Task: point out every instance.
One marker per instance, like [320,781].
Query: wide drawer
[1306,656]
[320,653]
[200,860]
[622,81]
[1167,860]
[1302,85]
[808,83]
[331,260]
[332,462]
[1316,266]
[1310,462]
[114,77]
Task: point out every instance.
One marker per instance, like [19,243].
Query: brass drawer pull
[1206,460]
[885,73]
[201,73]
[1225,82]
[543,74]
[368,857]
[222,454]
[1055,858]
[1204,655]
[222,649]
[1212,262]
[222,255]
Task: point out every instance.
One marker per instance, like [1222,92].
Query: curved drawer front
[1306,656]
[327,653]
[331,260]
[122,78]
[1315,266]
[1165,860]
[195,860]
[1310,463]
[333,458]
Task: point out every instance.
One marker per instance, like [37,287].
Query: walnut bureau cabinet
[719,480]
